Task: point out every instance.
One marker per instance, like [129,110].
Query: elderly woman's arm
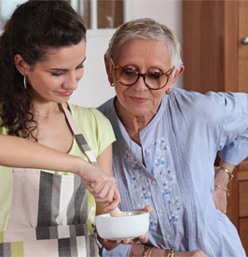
[223,174]
[231,155]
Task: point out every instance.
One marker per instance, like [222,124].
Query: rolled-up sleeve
[235,129]
[236,151]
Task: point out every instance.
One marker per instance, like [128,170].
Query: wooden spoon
[117,213]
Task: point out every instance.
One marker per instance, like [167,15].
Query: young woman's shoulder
[95,127]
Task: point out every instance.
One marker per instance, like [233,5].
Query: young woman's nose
[71,82]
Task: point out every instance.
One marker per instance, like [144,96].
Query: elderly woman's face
[146,57]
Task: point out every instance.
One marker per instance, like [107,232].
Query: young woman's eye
[57,74]
[81,66]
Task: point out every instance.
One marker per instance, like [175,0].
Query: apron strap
[79,136]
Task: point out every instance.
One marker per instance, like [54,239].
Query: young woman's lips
[65,93]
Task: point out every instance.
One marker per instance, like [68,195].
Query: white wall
[94,88]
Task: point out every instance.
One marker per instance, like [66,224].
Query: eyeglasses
[154,79]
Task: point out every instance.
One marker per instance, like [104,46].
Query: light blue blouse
[179,147]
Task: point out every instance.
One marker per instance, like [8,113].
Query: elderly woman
[167,141]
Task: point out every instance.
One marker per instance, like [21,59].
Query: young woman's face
[55,78]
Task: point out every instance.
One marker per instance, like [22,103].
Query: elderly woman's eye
[155,75]
[129,71]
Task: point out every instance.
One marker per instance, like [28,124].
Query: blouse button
[147,151]
[154,183]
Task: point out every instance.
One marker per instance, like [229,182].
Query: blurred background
[101,18]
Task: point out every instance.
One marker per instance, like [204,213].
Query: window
[98,14]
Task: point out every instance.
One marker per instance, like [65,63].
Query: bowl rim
[133,213]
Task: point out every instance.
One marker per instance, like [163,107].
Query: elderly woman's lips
[138,99]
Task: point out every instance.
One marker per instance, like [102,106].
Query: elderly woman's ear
[173,78]
[176,73]
[108,70]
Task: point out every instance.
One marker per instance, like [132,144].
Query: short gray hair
[145,28]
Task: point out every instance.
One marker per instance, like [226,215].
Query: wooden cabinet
[215,59]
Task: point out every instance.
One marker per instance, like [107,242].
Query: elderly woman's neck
[132,123]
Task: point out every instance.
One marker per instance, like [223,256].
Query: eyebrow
[60,69]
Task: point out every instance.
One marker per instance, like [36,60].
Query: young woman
[49,212]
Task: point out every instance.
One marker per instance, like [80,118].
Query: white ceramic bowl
[135,224]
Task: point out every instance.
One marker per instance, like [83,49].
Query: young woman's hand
[101,185]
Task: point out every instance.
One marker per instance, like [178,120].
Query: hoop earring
[112,84]
[25,82]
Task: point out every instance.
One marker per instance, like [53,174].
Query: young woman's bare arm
[18,152]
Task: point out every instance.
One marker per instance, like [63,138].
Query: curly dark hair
[34,28]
